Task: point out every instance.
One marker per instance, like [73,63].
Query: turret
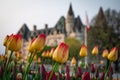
[70,19]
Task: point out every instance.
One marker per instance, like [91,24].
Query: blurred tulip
[96,73]
[83,51]
[95,50]
[39,60]
[113,55]
[86,76]
[105,53]
[110,72]
[14,42]
[73,61]
[19,55]
[67,77]
[30,49]
[78,72]
[51,52]
[39,43]
[61,53]
[6,41]
[92,68]
[102,76]
[19,76]
[43,72]
[53,76]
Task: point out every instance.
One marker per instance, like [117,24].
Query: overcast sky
[14,13]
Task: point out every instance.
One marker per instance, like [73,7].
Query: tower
[70,20]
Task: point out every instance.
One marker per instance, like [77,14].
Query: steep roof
[70,11]
[24,31]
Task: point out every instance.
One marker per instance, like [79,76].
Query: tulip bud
[43,72]
[102,76]
[113,55]
[14,42]
[67,73]
[39,42]
[6,40]
[96,73]
[92,68]
[95,50]
[105,53]
[39,60]
[51,52]
[30,49]
[61,53]
[53,77]
[73,61]
[86,76]
[78,72]
[83,51]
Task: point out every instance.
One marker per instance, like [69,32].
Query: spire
[70,11]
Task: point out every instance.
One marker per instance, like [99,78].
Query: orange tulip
[83,51]
[61,53]
[113,55]
[95,50]
[6,40]
[105,53]
[73,61]
[38,43]
[14,42]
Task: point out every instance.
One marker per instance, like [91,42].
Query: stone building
[70,26]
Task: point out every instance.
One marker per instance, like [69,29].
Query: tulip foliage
[14,67]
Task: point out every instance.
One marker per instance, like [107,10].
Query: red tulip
[67,77]
[79,72]
[102,76]
[92,67]
[96,73]
[86,76]
[53,76]
[43,72]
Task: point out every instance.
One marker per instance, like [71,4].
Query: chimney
[34,28]
[46,29]
[46,26]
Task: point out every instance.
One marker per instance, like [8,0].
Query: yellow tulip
[83,51]
[105,53]
[51,52]
[6,40]
[113,55]
[73,61]
[14,42]
[30,49]
[95,50]
[43,54]
[38,43]
[61,53]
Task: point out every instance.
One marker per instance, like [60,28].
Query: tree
[74,47]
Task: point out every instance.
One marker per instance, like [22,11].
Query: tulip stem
[28,67]
[7,64]
[54,69]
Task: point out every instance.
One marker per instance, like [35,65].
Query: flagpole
[85,35]
[85,42]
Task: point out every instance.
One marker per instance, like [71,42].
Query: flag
[87,23]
